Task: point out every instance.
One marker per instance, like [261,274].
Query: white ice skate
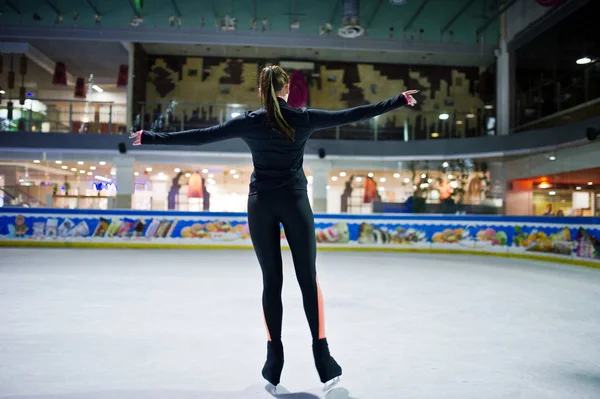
[331,384]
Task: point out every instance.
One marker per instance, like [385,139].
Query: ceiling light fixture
[435,135]
[359,178]
[148,169]
[334,178]
[552,193]
[80,162]
[36,161]
[396,175]
[102,163]
[204,170]
[64,167]
[58,162]
[98,88]
[444,115]
[343,174]
[583,61]
[92,168]
[176,170]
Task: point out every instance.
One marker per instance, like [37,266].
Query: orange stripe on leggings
[321,311]
[266,326]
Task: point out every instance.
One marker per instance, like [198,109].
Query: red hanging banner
[123,75]
[79,88]
[59,77]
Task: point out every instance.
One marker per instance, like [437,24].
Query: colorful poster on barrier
[485,234]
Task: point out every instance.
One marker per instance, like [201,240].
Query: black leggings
[265,213]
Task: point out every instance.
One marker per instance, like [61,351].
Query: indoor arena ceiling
[449,28]
[418,19]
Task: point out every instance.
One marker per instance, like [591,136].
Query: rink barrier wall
[568,240]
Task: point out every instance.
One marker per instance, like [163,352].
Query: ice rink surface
[135,324]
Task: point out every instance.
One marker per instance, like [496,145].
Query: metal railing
[80,116]
[64,116]
[404,124]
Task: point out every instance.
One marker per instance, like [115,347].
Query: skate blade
[331,384]
[276,390]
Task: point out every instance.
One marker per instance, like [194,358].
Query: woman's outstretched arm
[320,119]
[228,130]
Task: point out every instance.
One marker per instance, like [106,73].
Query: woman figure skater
[277,135]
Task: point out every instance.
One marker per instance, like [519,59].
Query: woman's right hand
[410,100]
[137,137]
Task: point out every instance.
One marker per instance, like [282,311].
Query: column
[9,184]
[124,179]
[497,182]
[320,172]
[160,192]
[130,76]
[504,82]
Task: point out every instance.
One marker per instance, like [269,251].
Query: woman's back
[278,162]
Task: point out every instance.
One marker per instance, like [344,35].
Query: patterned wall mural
[209,90]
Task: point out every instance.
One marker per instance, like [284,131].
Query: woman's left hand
[137,137]
[410,100]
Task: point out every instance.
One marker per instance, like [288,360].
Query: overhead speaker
[122,148]
[322,153]
[591,133]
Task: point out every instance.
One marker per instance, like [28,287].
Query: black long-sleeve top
[277,160]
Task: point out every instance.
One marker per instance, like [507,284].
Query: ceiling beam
[135,10]
[551,18]
[46,63]
[500,11]
[54,8]
[368,24]
[335,11]
[464,8]
[176,8]
[415,15]
[246,38]
[14,8]
[94,8]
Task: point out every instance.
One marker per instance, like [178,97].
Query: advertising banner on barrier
[576,238]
